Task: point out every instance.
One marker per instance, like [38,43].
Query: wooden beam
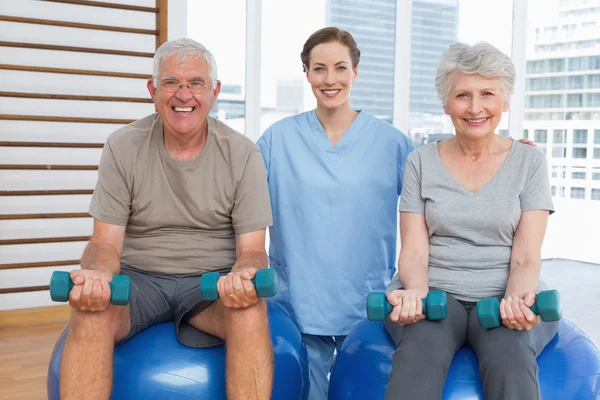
[38,167]
[28,68]
[14,117]
[40,264]
[24,289]
[41,46]
[53,144]
[6,217]
[66,192]
[5,242]
[78,25]
[106,5]
[23,95]
[161,22]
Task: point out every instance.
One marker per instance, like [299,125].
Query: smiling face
[183,112]
[331,74]
[475,104]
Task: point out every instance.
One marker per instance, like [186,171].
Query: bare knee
[111,324]
[249,316]
[222,322]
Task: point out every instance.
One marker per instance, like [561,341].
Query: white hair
[480,59]
[184,49]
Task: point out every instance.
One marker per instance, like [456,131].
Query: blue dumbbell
[265,282]
[547,306]
[61,286]
[435,306]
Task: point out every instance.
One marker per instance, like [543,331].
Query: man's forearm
[251,259]
[101,257]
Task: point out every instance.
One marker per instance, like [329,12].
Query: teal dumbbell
[547,306]
[435,306]
[61,285]
[265,282]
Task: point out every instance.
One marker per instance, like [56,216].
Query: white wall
[573,231]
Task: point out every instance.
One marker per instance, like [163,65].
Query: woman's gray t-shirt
[471,233]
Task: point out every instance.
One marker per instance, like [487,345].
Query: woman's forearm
[412,271]
[524,277]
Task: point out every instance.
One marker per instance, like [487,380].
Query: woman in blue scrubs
[335,175]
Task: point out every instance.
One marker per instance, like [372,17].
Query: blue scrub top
[335,215]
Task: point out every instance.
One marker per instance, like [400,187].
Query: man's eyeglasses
[196,86]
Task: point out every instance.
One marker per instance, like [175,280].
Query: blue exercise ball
[154,365]
[569,367]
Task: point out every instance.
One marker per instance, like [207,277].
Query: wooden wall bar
[30,200]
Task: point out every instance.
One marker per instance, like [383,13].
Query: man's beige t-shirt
[181,217]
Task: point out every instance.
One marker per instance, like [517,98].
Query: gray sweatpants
[424,351]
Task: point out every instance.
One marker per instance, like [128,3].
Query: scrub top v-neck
[334,234]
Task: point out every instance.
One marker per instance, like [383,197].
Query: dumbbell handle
[61,286]
[265,282]
[546,305]
[378,307]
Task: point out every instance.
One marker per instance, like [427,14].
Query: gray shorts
[157,298]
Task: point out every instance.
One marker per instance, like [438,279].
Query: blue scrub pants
[320,351]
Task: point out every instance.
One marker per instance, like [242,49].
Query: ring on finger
[231,295]
[513,322]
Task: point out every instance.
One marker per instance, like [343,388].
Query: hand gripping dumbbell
[265,282]
[61,285]
[435,306]
[547,306]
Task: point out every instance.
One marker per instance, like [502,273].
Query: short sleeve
[395,284]
[536,194]
[411,199]
[252,205]
[264,144]
[111,201]
[405,147]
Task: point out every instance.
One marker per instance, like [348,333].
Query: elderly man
[178,194]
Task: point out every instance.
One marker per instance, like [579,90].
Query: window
[592,100]
[580,136]
[559,172]
[577,193]
[576,82]
[559,140]
[597,136]
[581,153]
[559,151]
[578,175]
[435,25]
[597,153]
[553,191]
[593,81]
[231,66]
[574,100]
[526,133]
[595,194]
[540,136]
[596,174]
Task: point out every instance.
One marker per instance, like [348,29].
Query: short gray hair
[480,59]
[184,49]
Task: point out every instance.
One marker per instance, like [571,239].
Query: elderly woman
[473,214]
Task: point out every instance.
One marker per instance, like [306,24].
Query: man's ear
[215,92]
[151,89]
